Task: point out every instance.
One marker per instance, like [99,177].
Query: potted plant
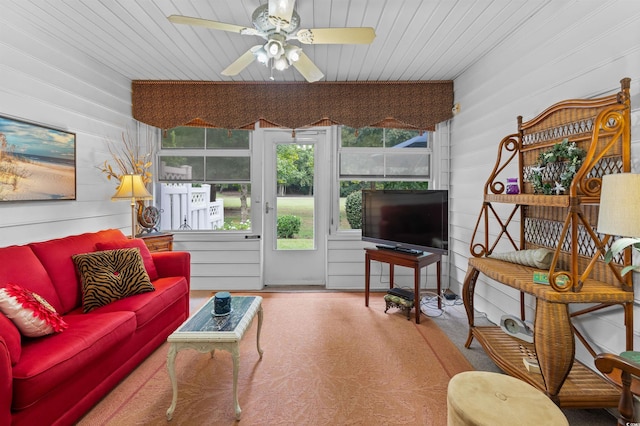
[618,246]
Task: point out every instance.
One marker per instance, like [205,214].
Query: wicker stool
[392,301]
[481,398]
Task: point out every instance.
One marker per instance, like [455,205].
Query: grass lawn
[297,206]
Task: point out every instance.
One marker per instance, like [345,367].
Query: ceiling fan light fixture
[280,64]
[274,48]
[292,53]
[261,55]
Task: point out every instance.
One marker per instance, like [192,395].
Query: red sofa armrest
[173,264]
[6,384]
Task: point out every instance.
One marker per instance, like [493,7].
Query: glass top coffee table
[206,332]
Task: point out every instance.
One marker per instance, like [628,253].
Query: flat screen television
[413,221]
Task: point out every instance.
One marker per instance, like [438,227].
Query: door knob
[267,208]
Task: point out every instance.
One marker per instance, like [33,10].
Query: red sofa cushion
[19,265]
[56,254]
[12,338]
[48,361]
[136,242]
[147,306]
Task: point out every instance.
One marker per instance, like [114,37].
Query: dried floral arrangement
[131,156]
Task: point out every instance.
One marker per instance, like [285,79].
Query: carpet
[328,360]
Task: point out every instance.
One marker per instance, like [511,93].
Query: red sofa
[57,378]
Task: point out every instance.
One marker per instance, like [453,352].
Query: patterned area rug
[327,360]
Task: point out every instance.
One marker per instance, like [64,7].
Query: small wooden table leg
[416,292]
[367,276]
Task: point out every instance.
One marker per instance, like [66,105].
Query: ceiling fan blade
[187,20]
[281,10]
[307,68]
[355,35]
[241,63]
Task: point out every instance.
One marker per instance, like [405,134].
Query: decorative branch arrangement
[130,157]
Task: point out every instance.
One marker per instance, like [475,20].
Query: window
[374,158]
[204,179]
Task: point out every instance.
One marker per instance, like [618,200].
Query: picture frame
[37,162]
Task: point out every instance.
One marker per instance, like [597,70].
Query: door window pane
[295,203]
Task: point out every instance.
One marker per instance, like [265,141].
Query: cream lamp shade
[132,188]
[620,205]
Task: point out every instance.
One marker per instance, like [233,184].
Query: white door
[295,188]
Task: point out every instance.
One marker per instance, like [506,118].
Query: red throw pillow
[33,315]
[133,243]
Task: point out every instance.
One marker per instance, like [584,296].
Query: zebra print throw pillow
[111,275]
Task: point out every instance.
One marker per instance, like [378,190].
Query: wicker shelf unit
[565,224]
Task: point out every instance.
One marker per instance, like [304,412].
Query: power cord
[429,303]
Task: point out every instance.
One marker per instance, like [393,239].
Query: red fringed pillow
[33,315]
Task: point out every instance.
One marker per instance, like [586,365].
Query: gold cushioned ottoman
[392,301]
[481,398]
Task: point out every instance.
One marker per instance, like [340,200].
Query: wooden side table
[417,262]
[158,242]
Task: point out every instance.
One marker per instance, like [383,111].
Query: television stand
[395,257]
[400,249]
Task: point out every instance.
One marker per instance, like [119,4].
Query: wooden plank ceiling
[416,40]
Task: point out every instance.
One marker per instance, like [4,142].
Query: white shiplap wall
[59,87]
[578,50]
[575,49]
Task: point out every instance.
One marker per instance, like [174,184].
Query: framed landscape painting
[36,162]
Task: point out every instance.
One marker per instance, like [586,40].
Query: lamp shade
[620,205]
[131,186]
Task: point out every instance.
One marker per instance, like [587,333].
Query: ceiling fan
[277,22]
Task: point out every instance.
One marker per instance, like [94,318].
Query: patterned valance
[416,105]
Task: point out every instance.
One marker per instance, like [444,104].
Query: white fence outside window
[183,206]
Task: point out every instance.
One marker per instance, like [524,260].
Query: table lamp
[132,188]
[619,212]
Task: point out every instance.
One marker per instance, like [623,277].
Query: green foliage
[288,225]
[347,187]
[353,209]
[566,152]
[405,185]
[296,168]
[620,245]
